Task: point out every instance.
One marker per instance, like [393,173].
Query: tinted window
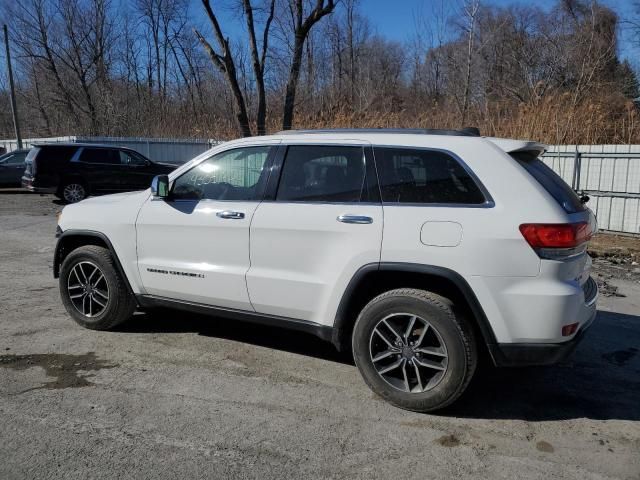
[15,159]
[424,176]
[233,175]
[130,158]
[100,155]
[53,153]
[322,174]
[551,181]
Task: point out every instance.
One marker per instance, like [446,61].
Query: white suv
[420,250]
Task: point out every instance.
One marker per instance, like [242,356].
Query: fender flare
[341,320]
[61,235]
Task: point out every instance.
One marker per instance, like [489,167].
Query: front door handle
[230,214]
[358,219]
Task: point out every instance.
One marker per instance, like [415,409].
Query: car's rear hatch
[564,245]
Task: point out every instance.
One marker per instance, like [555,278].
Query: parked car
[73,171]
[420,251]
[12,167]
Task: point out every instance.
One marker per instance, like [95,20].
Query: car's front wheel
[92,290]
[413,350]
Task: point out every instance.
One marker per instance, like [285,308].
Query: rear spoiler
[513,146]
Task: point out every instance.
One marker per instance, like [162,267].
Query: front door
[322,224]
[194,246]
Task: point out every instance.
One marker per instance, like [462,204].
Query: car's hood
[171,166]
[113,198]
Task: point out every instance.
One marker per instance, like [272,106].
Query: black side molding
[322,331]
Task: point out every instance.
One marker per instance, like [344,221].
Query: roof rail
[464,132]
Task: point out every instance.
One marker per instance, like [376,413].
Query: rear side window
[100,155]
[550,180]
[424,176]
[322,173]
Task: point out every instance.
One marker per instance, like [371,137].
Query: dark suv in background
[74,171]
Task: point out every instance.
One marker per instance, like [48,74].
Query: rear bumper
[28,184]
[529,354]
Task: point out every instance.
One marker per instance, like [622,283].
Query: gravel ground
[176,395]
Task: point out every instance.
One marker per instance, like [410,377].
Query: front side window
[322,173]
[424,176]
[238,174]
[100,155]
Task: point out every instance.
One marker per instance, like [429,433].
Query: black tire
[73,190]
[120,303]
[460,349]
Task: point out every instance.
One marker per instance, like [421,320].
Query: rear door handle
[358,219]
[230,214]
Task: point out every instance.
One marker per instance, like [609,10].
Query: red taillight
[556,235]
[569,329]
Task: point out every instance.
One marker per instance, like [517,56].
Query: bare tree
[302,27]
[470,10]
[225,62]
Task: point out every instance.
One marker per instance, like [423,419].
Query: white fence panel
[609,174]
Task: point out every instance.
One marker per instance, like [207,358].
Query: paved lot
[175,395]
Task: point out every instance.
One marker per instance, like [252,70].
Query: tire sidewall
[99,321]
[440,316]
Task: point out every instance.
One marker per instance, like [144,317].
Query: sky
[394,19]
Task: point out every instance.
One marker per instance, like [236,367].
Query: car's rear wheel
[413,350]
[92,290]
[73,191]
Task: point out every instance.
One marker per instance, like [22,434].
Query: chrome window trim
[488,203]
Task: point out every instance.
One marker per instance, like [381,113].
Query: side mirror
[160,186]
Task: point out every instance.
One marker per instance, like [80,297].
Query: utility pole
[14,108]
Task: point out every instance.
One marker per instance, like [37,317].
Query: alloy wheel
[88,289]
[408,352]
[74,192]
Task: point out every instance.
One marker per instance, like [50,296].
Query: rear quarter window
[550,180]
[423,176]
[55,153]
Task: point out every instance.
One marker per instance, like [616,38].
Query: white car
[420,250]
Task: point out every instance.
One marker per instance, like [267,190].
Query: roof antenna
[473,131]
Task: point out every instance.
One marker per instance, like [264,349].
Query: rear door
[101,168]
[321,222]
